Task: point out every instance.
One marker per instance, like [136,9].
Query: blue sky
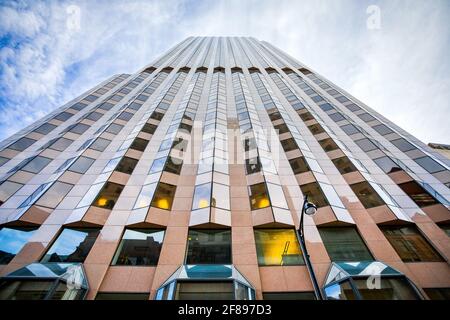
[52,51]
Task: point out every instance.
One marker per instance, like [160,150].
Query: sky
[392,55]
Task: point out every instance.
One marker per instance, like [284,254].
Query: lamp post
[310,209]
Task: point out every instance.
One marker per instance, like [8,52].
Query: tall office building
[186,180]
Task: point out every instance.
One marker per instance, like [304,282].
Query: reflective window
[139,247]
[7,189]
[410,245]
[306,116]
[252,165]
[259,197]
[366,117]
[390,289]
[21,144]
[209,247]
[336,117]
[403,145]
[78,128]
[61,144]
[54,195]
[387,165]
[173,165]
[139,144]
[108,195]
[125,116]
[217,290]
[429,164]
[221,196]
[100,144]
[367,195]
[344,165]
[277,247]
[288,144]
[81,165]
[37,164]
[304,295]
[63,116]
[277,195]
[45,128]
[299,165]
[353,107]
[344,244]
[3,160]
[72,245]
[316,128]
[149,128]
[418,194]
[438,293]
[114,128]
[326,107]
[94,116]
[315,194]
[164,196]
[328,144]
[350,129]
[126,165]
[282,128]
[366,145]
[382,129]
[202,196]
[12,241]
[122,296]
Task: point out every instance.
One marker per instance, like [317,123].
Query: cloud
[400,70]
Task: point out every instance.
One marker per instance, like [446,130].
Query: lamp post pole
[301,235]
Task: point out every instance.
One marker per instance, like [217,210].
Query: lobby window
[139,247]
[139,144]
[21,144]
[344,165]
[108,195]
[72,245]
[259,198]
[350,129]
[403,145]
[429,164]
[410,245]
[315,194]
[81,165]
[46,128]
[387,165]
[78,128]
[418,194]
[344,244]
[252,165]
[114,128]
[278,247]
[209,247]
[299,165]
[366,145]
[288,144]
[382,129]
[37,164]
[216,290]
[304,295]
[63,116]
[126,165]
[328,144]
[100,144]
[164,195]
[149,128]
[7,189]
[367,195]
[54,195]
[12,241]
[61,144]
[438,293]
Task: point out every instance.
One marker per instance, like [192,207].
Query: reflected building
[187,178]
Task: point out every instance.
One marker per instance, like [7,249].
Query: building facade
[186,180]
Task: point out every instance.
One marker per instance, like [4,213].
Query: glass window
[164,196]
[122,296]
[173,165]
[316,128]
[306,116]
[429,164]
[259,197]
[12,241]
[350,129]
[306,295]
[139,144]
[438,293]
[403,145]
[221,196]
[45,128]
[278,247]
[344,244]
[3,160]
[387,165]
[140,247]
[114,128]
[202,196]
[390,289]
[21,144]
[25,290]
[78,128]
[54,195]
[344,165]
[61,144]
[366,145]
[126,165]
[282,128]
[106,106]
[336,117]
[7,189]
[315,194]
[100,144]
[108,195]
[382,129]
[72,245]
[367,195]
[252,165]
[366,117]
[37,164]
[418,194]
[125,116]
[299,165]
[326,107]
[63,116]
[209,247]
[94,116]
[190,290]
[81,165]
[328,144]
[410,245]
[158,165]
[149,128]
[288,144]
[277,195]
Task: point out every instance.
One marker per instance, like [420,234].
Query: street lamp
[310,209]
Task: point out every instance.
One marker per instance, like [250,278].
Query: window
[316,128]
[37,164]
[108,196]
[366,145]
[366,117]
[81,165]
[429,164]
[80,105]
[121,296]
[164,195]
[100,144]
[3,160]
[367,195]
[315,194]
[403,145]
[299,165]
[106,106]
[202,196]
[21,144]
[336,117]
[140,247]
[46,128]
[12,241]
[353,107]
[60,144]
[173,165]
[438,293]
[94,116]
[114,128]
[410,245]
[252,165]
[306,295]
[278,247]
[209,247]
[282,128]
[387,165]
[126,165]
[78,128]
[125,116]
[288,144]
[7,189]
[382,129]
[149,128]
[418,194]
[54,195]
[217,290]
[328,144]
[63,116]
[139,144]
[306,116]
[349,129]
[259,197]
[344,165]
[157,115]
[446,228]
[72,245]
[326,107]
[344,244]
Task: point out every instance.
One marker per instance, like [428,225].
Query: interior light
[162,203]
[102,202]
[263,202]
[203,203]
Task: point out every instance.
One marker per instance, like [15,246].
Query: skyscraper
[186,180]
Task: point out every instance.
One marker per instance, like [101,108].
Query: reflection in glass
[12,241]
[277,247]
[164,195]
[209,247]
[259,197]
[108,196]
[202,196]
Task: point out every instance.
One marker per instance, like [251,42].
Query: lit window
[315,194]
[139,247]
[418,194]
[54,195]
[37,164]
[429,164]
[259,197]
[202,196]
[209,247]
[367,195]
[344,165]
[126,165]
[277,247]
[12,241]
[81,165]
[164,196]
[22,144]
[387,165]
[7,189]
[108,196]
